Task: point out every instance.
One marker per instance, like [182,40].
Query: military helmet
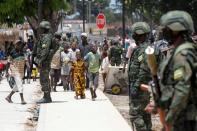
[140,28]
[177,21]
[45,25]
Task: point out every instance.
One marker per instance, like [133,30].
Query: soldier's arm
[182,73]
[46,48]
[139,58]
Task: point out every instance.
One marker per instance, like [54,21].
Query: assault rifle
[155,84]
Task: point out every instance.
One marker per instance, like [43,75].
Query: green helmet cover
[177,21]
[140,28]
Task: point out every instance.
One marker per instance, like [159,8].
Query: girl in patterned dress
[78,73]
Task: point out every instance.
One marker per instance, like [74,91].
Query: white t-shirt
[105,65]
[65,58]
[73,54]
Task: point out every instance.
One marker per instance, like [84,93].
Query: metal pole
[75,5]
[89,4]
[123,22]
[87,12]
[83,13]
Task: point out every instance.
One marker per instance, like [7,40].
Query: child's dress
[78,68]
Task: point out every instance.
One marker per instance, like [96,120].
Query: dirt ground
[121,102]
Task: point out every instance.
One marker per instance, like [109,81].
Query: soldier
[178,73]
[44,53]
[139,74]
[115,53]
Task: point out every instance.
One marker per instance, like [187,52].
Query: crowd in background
[108,52]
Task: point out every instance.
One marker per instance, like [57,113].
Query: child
[34,72]
[78,70]
[104,66]
[65,58]
[94,61]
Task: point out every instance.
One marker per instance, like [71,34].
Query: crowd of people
[75,65]
[55,59]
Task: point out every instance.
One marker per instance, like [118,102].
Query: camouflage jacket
[177,85]
[44,51]
[138,72]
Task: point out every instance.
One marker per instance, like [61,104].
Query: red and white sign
[100,21]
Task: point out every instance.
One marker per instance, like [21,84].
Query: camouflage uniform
[115,54]
[44,54]
[139,73]
[178,75]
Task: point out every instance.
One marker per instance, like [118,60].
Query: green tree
[16,11]
[151,10]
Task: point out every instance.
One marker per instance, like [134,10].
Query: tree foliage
[15,11]
[151,10]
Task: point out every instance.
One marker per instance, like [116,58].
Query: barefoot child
[34,72]
[77,71]
[94,60]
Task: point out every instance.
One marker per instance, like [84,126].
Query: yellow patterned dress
[78,70]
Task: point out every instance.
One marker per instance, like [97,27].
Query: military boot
[46,98]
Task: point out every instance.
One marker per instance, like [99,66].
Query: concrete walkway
[69,114]
[61,115]
[14,116]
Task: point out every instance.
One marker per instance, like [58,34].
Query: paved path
[14,115]
[62,114]
[69,114]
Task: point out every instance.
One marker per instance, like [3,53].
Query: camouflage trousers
[138,116]
[44,77]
